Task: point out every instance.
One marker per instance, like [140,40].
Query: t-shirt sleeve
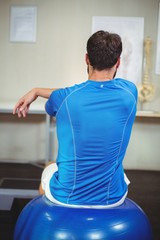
[54,102]
[57,98]
[133,89]
[130,87]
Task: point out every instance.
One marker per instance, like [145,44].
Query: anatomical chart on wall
[131,30]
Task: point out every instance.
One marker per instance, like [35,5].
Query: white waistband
[46,176]
[52,199]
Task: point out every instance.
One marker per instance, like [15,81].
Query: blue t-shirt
[94,122]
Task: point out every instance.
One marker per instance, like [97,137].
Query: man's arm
[22,106]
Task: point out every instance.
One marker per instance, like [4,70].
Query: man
[94,122]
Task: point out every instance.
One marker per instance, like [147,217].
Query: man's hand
[22,106]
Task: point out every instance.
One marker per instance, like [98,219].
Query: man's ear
[87,59]
[118,63]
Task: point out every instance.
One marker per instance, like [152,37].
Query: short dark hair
[104,49]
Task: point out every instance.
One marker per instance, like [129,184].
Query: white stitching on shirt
[75,158]
[126,91]
[65,101]
[122,136]
[69,96]
[108,193]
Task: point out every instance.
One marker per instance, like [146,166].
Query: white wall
[57,60]
[144,147]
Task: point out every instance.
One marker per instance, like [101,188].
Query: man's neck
[103,75]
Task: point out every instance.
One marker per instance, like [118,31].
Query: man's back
[94,122]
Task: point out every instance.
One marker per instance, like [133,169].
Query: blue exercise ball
[44,220]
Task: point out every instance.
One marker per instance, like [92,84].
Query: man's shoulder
[127,86]
[70,89]
[125,82]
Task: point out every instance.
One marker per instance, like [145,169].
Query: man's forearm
[43,92]
[22,106]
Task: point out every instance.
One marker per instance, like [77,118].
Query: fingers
[22,112]
[16,107]
[25,111]
[21,108]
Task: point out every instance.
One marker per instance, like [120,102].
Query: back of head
[104,50]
